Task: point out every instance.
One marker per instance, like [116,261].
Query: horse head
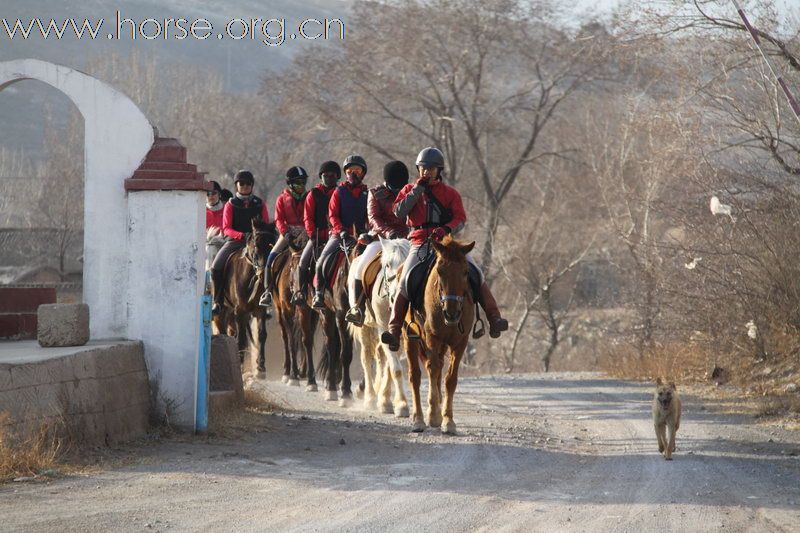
[394,252]
[298,242]
[261,240]
[450,273]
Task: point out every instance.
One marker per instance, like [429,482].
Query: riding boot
[299,296]
[266,297]
[399,310]
[319,299]
[356,313]
[217,281]
[497,324]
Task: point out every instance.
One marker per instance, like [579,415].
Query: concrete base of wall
[97,393]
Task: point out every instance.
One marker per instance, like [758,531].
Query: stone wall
[97,394]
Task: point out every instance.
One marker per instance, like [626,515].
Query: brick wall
[18,307]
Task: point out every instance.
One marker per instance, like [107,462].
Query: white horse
[214,241]
[382,367]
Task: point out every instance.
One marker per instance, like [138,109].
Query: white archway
[139,282]
[117,139]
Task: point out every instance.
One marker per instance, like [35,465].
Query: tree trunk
[488,244]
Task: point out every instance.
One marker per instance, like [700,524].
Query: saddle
[370,275]
[418,279]
[331,266]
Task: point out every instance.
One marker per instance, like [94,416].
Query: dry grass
[681,363]
[235,420]
[28,455]
[758,387]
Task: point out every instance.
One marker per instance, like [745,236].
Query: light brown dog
[666,416]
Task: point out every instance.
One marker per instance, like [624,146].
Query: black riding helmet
[395,174]
[333,167]
[354,159]
[245,176]
[296,175]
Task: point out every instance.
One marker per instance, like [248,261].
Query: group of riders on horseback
[336,216]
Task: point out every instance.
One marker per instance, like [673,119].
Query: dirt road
[565,452]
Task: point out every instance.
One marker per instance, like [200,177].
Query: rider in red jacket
[236,217]
[214,207]
[432,209]
[347,213]
[384,223]
[315,220]
[288,222]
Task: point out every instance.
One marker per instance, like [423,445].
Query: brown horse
[335,367]
[298,322]
[243,286]
[446,322]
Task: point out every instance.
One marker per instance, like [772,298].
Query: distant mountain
[242,63]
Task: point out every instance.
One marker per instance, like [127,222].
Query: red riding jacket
[382,219]
[423,216]
[315,218]
[214,218]
[288,212]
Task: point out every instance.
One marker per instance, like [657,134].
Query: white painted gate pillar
[143,263]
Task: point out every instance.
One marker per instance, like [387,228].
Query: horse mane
[451,249]
[259,226]
[395,252]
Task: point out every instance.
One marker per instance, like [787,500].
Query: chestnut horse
[448,314]
[243,286]
[298,322]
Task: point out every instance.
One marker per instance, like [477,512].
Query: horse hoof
[449,428]
[418,427]
[331,396]
[311,388]
[387,408]
[285,378]
[261,374]
[402,412]
[345,402]
[294,383]
[434,422]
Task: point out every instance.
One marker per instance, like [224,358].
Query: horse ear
[659,382]
[672,385]
[253,224]
[383,242]
[467,248]
[438,247]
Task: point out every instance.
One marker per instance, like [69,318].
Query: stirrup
[413,331]
[266,299]
[478,329]
[318,302]
[216,309]
[355,316]
[298,298]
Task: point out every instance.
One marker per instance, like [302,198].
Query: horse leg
[307,323]
[363,336]
[450,383]
[333,354]
[415,376]
[384,378]
[285,333]
[394,370]
[262,345]
[434,366]
[294,375]
[242,336]
[346,358]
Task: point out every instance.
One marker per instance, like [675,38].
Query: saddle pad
[370,275]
